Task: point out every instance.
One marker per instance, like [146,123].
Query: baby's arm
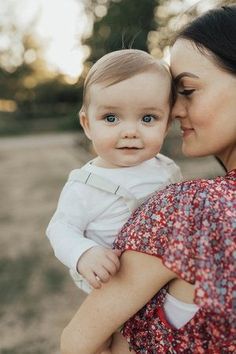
[104,311]
[66,228]
[66,234]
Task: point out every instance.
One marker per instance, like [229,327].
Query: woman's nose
[179,109]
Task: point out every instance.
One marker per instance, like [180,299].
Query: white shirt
[87,216]
[177,312]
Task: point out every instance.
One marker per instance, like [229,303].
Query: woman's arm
[104,311]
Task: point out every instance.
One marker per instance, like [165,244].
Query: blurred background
[46,49]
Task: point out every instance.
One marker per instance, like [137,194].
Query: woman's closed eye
[149,118]
[186,92]
[111,118]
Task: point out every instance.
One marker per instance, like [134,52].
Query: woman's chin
[190,151]
[194,152]
[186,151]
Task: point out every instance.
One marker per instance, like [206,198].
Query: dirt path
[36,293]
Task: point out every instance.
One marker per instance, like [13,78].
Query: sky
[59,25]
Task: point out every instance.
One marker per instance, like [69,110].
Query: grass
[17,275]
[12,124]
[54,280]
[28,347]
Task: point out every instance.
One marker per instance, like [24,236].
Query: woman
[179,246]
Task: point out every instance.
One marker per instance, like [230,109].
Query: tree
[172,15]
[119,24]
[25,79]
[21,60]
[143,24]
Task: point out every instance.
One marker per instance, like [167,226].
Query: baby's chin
[107,164]
[99,162]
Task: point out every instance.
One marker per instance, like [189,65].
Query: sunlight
[60,26]
[7,105]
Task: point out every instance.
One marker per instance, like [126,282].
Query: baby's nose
[130,131]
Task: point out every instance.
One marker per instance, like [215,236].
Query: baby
[125,113]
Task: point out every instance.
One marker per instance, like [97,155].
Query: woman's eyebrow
[184,74]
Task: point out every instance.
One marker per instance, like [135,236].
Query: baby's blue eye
[110,118]
[148,118]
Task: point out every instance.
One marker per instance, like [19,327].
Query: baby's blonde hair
[120,65]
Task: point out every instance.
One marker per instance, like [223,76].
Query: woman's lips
[186,132]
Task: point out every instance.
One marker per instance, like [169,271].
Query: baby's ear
[84,121]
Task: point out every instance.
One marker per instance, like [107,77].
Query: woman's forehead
[185,57]
[182,51]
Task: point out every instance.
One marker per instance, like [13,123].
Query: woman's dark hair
[215,32]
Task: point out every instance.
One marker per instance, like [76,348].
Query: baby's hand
[98,264]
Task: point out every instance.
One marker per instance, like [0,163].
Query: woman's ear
[84,121]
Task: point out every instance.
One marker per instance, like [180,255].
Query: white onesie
[91,213]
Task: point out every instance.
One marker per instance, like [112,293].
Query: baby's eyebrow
[152,109]
[184,74]
[108,108]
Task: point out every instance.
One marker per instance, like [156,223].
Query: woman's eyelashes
[186,92]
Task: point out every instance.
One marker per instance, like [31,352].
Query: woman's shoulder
[197,206]
[220,189]
[186,205]
[184,223]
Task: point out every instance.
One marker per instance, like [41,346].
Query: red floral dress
[191,226]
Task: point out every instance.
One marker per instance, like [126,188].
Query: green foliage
[54,280]
[26,81]
[173,14]
[48,100]
[38,346]
[15,276]
[56,90]
[37,93]
[40,121]
[126,24]
[52,97]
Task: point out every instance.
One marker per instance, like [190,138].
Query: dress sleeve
[164,227]
[216,253]
[191,227]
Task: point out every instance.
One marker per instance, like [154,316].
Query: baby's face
[127,121]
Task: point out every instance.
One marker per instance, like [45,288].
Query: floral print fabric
[191,226]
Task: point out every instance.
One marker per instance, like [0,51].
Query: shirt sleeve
[174,171]
[176,175]
[66,229]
